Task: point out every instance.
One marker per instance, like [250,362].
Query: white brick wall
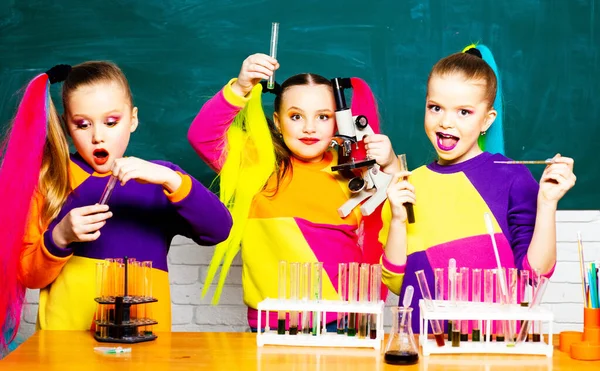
[188,263]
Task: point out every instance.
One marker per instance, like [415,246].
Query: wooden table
[74,350]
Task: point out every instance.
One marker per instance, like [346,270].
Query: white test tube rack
[324,339]
[485,313]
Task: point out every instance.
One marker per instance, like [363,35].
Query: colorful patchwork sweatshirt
[299,224]
[449,214]
[145,220]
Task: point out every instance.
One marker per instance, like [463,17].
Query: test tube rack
[123,297]
[485,313]
[120,327]
[324,338]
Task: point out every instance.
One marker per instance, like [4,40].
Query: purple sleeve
[201,216]
[207,132]
[521,214]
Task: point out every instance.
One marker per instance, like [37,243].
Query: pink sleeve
[527,266]
[207,132]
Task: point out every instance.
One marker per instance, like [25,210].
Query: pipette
[548,161]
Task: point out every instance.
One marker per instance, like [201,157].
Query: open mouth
[446,142]
[100,156]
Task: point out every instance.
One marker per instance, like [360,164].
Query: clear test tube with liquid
[294,290]
[457,297]
[500,325]
[305,290]
[100,308]
[512,278]
[489,284]
[476,298]
[342,293]
[352,295]
[464,296]
[363,296]
[317,296]
[536,336]
[375,297]
[283,280]
[147,293]
[436,327]
[451,291]
[524,292]
[439,287]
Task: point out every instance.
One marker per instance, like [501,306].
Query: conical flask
[401,348]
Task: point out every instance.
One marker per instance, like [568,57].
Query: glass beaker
[401,348]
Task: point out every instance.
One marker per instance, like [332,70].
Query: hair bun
[475,52]
[58,73]
[276,89]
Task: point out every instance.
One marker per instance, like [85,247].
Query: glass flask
[401,348]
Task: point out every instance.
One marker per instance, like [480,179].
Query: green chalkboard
[178,53]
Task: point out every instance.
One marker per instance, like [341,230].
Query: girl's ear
[276,121]
[490,117]
[134,119]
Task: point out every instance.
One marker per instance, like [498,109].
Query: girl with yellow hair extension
[276,179]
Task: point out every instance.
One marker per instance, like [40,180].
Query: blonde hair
[54,183]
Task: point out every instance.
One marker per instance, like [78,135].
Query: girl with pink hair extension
[54,229]
[275,176]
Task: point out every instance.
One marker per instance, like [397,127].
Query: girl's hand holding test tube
[128,168]
[254,68]
[81,224]
[400,192]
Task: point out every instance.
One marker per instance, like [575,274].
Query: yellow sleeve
[232,97]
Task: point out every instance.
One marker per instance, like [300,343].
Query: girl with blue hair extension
[463,122]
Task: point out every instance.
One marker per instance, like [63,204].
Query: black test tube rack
[120,327]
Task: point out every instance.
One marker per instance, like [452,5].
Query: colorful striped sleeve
[41,260]
[207,134]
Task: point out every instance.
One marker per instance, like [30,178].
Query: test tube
[438,333]
[456,329]
[317,295]
[294,289]
[306,289]
[537,325]
[147,292]
[451,290]
[99,296]
[524,296]
[439,283]
[488,292]
[512,285]
[352,296]
[341,316]
[464,330]
[476,298]
[283,279]
[363,296]
[273,51]
[375,297]
[108,190]
[410,214]
[500,325]
[537,300]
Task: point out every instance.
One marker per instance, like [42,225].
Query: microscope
[367,181]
